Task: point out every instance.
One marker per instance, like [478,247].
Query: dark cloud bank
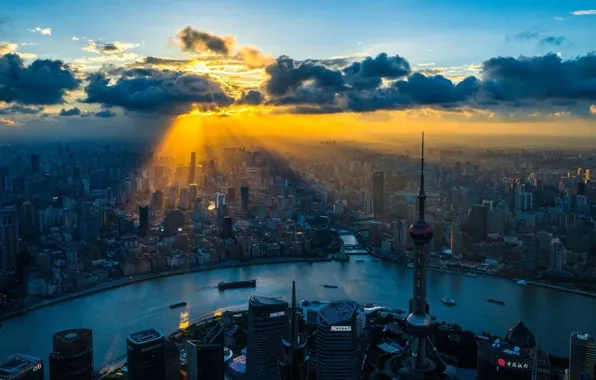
[311,86]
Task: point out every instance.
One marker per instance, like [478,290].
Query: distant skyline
[224,55]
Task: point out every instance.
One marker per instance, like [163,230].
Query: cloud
[105,114]
[200,42]
[535,36]
[558,18]
[75,38]
[197,41]
[589,12]
[553,40]
[503,82]
[19,109]
[593,109]
[70,112]
[152,90]
[254,58]
[252,97]
[159,61]
[108,48]
[7,122]
[6,48]
[523,36]
[41,82]
[44,31]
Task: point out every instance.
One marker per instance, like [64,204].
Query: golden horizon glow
[300,136]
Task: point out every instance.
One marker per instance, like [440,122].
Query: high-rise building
[516,357]
[35,164]
[72,356]
[21,367]
[244,200]
[337,342]
[172,354]
[378,192]
[205,360]
[143,220]
[193,191]
[226,227]
[192,167]
[184,198]
[9,239]
[231,197]
[145,354]
[267,323]
[581,356]
[173,222]
[157,200]
[294,365]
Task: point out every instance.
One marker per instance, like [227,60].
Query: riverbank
[152,276]
[563,289]
[467,270]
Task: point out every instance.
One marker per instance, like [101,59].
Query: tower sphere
[421,232]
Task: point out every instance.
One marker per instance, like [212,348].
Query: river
[113,314]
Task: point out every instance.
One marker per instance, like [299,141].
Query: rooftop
[265,301]
[336,312]
[145,336]
[70,335]
[582,336]
[17,363]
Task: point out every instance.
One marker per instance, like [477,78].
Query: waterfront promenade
[151,276]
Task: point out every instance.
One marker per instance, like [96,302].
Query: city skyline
[516,68]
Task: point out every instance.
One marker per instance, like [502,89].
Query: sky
[83,66]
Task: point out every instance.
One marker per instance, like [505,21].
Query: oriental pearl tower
[419,322]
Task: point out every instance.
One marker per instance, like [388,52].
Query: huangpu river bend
[113,314]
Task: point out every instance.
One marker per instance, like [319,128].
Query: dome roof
[520,336]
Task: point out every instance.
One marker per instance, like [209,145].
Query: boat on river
[472,274]
[495,301]
[237,284]
[522,282]
[177,305]
[359,261]
[448,302]
[330,286]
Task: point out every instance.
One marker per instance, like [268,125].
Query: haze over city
[297,190]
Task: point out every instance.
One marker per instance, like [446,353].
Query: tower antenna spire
[421,193]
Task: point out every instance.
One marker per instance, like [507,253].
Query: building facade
[72,356]
[337,342]
[145,354]
[267,323]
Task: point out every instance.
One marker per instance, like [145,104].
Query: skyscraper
[231,197]
[226,229]
[244,199]
[205,360]
[581,356]
[9,239]
[145,354]
[143,220]
[294,365]
[337,342]
[419,322]
[21,367]
[378,192]
[192,167]
[267,322]
[157,200]
[72,356]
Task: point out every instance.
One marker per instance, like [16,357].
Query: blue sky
[447,33]
[443,42]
